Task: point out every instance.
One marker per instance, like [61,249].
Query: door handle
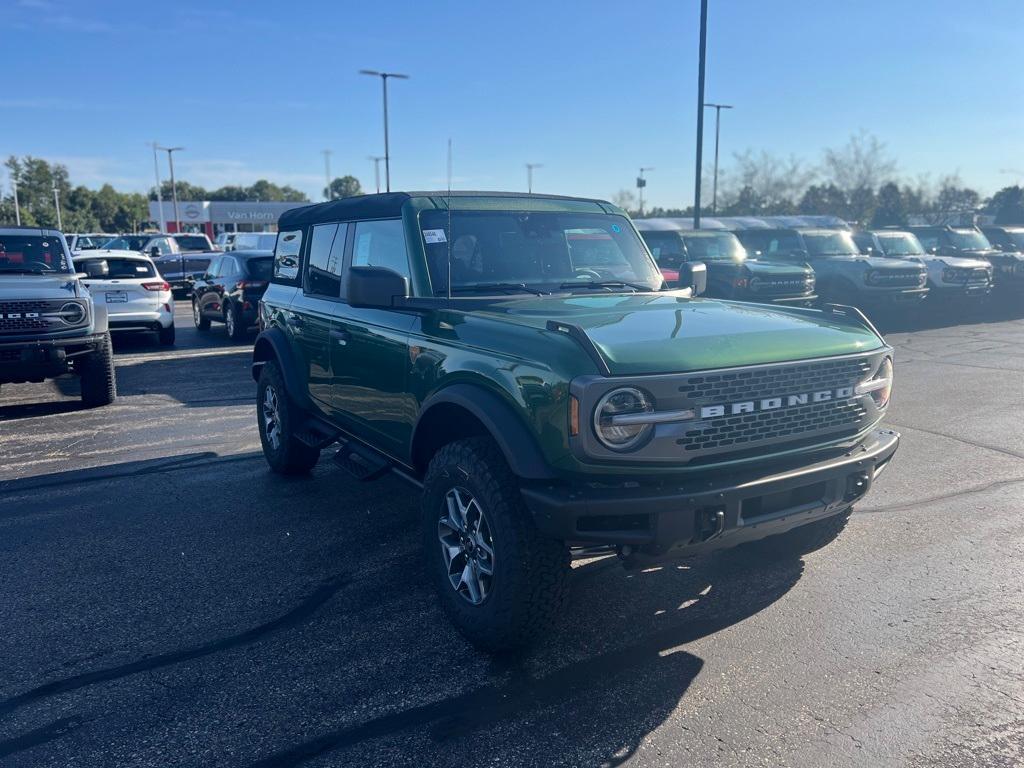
[341,336]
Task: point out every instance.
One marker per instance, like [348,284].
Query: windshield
[119,269]
[969,240]
[192,242]
[127,243]
[260,269]
[901,245]
[534,251]
[721,246]
[32,253]
[830,244]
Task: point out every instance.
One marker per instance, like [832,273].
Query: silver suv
[49,324]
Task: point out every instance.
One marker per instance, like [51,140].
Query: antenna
[449,205]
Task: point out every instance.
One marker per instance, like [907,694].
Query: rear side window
[381,244]
[286,255]
[326,249]
[121,269]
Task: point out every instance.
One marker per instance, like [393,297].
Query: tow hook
[710,523]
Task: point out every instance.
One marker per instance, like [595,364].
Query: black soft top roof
[387,205]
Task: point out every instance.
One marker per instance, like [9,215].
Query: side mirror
[698,277]
[154,252]
[96,269]
[376,287]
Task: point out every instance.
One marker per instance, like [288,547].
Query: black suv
[229,291]
[1008,265]
[731,274]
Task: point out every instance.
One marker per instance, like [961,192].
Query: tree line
[857,182]
[107,210]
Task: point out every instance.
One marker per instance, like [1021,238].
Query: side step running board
[361,462]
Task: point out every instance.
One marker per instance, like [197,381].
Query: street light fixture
[159,193]
[376,169]
[529,175]
[714,185]
[641,182]
[384,81]
[56,204]
[702,56]
[174,189]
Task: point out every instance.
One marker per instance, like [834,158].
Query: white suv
[136,297]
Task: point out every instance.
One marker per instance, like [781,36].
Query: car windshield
[127,243]
[901,245]
[32,254]
[830,244]
[119,269]
[720,246]
[192,242]
[260,269]
[535,251]
[969,240]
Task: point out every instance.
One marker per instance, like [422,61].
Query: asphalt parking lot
[165,600]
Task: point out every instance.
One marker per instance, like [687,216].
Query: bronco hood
[666,332]
[19,287]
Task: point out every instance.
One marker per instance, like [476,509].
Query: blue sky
[592,90]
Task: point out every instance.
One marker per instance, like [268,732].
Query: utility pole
[159,193]
[376,169]
[17,208]
[56,204]
[174,190]
[529,175]
[714,185]
[641,182]
[700,108]
[387,151]
[327,173]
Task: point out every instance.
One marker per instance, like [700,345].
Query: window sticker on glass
[434,236]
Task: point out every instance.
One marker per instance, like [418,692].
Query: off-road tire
[236,327]
[166,336]
[96,373]
[531,572]
[290,456]
[201,323]
[799,541]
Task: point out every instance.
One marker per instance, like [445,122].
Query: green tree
[344,186]
[891,210]
[823,200]
[1007,205]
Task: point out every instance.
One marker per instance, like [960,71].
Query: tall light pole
[174,190]
[641,182]
[714,185]
[17,208]
[159,193]
[529,175]
[700,109]
[327,172]
[387,152]
[376,169]
[56,204]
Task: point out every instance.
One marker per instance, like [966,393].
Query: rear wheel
[499,581]
[202,323]
[96,372]
[277,417]
[166,335]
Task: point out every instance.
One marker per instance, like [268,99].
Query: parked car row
[806,260]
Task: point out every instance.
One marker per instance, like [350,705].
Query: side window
[164,245]
[326,247]
[381,244]
[286,255]
[211,270]
[228,267]
[928,239]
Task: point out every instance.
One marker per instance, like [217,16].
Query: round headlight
[612,423]
[871,277]
[948,275]
[72,313]
[879,386]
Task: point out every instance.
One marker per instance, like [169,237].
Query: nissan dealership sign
[227,212]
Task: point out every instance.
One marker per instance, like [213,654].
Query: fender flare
[515,440]
[272,343]
[101,321]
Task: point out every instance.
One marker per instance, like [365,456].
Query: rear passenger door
[370,347]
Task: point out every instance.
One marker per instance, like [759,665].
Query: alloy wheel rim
[230,321]
[272,417]
[195,313]
[466,545]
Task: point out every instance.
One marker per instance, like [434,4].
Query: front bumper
[39,359]
[892,297]
[941,293]
[709,514]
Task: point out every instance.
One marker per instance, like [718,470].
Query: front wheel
[96,372]
[277,417]
[499,581]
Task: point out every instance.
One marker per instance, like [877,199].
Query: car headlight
[871,277]
[72,313]
[948,275]
[922,279]
[622,418]
[879,386]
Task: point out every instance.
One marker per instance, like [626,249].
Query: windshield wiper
[609,284]
[507,287]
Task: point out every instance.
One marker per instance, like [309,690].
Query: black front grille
[28,316]
[775,381]
[739,431]
[897,279]
[785,286]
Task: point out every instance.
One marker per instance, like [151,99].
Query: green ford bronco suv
[519,359]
